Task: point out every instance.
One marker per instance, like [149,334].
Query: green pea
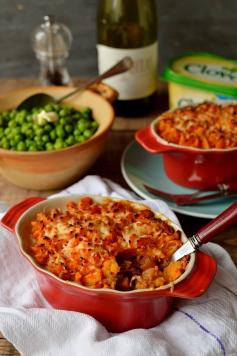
[62,121]
[5,144]
[5,115]
[76,133]
[49,146]
[87,112]
[62,113]
[42,122]
[58,139]
[7,130]
[15,131]
[29,133]
[45,138]
[10,135]
[13,143]
[39,131]
[21,146]
[56,107]
[47,128]
[82,125]
[80,138]
[32,147]
[53,135]
[60,131]
[18,138]
[19,118]
[35,127]
[37,140]
[58,145]
[24,113]
[12,123]
[24,127]
[70,140]
[29,118]
[12,114]
[28,142]
[68,128]
[48,107]
[94,124]
[87,133]
[77,116]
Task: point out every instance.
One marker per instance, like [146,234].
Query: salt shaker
[51,44]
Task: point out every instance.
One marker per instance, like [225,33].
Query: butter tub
[195,77]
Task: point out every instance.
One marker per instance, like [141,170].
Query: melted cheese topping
[112,244]
[206,125]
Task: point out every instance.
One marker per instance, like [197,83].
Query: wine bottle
[129,28]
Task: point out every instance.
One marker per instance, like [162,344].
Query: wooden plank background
[184,25]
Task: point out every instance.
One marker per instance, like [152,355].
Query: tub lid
[205,71]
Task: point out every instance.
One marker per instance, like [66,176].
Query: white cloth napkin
[203,326]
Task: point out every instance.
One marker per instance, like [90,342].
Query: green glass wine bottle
[129,28]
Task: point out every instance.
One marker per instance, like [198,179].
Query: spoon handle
[217,225]
[122,66]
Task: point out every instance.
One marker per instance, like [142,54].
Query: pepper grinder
[51,44]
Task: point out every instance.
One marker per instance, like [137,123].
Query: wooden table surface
[108,165]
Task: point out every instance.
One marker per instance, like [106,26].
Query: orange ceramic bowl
[117,310]
[45,170]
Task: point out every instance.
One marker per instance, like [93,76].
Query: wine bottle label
[141,80]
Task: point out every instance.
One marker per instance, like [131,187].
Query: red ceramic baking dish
[117,310]
[188,166]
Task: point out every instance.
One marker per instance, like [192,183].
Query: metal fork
[220,191]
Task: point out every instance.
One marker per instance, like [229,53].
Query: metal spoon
[41,99]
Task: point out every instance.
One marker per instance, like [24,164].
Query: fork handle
[217,225]
[228,187]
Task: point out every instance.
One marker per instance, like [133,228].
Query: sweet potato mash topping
[207,125]
[108,244]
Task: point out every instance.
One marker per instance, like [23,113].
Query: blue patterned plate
[138,167]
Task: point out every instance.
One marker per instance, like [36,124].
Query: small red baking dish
[188,166]
[117,310]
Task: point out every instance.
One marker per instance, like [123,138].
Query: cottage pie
[115,244]
[207,125]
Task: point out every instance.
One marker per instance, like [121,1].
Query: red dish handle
[11,217]
[199,280]
[217,225]
[148,141]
